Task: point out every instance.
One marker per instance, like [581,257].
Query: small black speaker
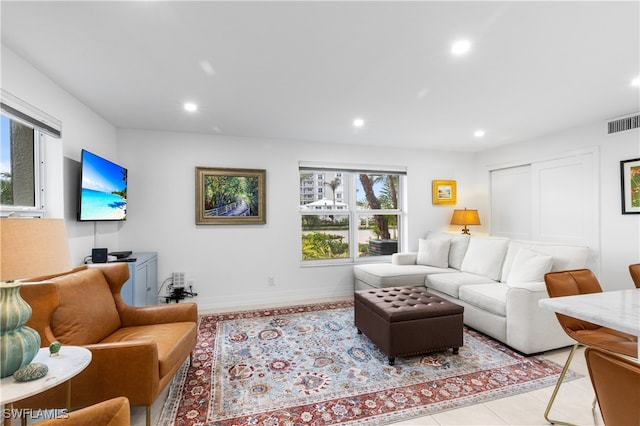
[99,255]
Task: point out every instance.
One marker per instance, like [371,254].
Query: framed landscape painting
[443,192]
[630,177]
[230,196]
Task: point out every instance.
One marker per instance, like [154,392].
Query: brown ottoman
[408,320]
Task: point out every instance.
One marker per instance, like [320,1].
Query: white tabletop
[70,361]
[619,310]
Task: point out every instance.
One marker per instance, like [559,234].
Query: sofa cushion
[451,283]
[433,253]
[529,266]
[485,256]
[457,246]
[87,312]
[565,256]
[488,297]
[173,340]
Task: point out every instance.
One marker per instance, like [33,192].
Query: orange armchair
[616,381]
[583,281]
[113,412]
[135,350]
[634,270]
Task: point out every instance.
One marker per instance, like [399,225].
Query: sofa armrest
[157,314]
[404,258]
[531,329]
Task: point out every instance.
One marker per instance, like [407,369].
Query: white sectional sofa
[498,281]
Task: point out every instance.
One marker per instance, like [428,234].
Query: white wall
[230,264]
[81,128]
[619,236]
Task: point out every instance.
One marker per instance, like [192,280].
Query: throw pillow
[457,246]
[529,266]
[433,253]
[485,256]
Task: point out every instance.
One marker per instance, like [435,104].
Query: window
[20,167]
[354,214]
[23,130]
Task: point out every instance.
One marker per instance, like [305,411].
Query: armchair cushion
[169,338]
[87,313]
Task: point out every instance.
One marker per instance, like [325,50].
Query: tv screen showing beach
[103,192]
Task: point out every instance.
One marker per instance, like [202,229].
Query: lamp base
[466,231]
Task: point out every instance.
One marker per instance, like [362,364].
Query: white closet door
[565,201]
[511,202]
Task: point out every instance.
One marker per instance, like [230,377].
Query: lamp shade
[465,217]
[31,248]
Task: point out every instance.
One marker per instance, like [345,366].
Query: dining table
[617,309]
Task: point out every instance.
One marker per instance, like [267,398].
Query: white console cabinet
[142,287]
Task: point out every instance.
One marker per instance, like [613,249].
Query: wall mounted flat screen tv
[103,189]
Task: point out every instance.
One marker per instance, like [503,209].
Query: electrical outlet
[178,279]
[271,281]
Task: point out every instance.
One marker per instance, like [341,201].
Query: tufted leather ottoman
[408,320]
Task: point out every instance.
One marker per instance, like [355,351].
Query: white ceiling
[305,70]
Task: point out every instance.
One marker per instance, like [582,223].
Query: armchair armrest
[137,360]
[127,369]
[157,314]
[404,258]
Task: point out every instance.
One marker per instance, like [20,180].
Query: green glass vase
[18,343]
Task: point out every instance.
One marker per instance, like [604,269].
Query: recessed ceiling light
[636,82]
[190,106]
[358,122]
[461,47]
[478,133]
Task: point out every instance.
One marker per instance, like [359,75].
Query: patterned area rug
[307,365]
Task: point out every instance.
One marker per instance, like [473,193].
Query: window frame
[39,207]
[353,211]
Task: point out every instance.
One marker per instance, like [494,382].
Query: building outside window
[356,214]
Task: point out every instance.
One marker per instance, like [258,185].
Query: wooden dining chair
[634,270]
[616,381]
[571,283]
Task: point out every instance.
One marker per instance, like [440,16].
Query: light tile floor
[573,403]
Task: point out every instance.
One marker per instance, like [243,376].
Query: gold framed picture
[630,178]
[230,196]
[443,192]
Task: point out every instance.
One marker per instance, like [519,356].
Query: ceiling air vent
[623,124]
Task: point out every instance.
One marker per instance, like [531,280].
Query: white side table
[70,361]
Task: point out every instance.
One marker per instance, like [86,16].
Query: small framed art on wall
[443,192]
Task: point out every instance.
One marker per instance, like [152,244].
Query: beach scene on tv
[104,189]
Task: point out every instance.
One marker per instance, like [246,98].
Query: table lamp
[465,217]
[29,248]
